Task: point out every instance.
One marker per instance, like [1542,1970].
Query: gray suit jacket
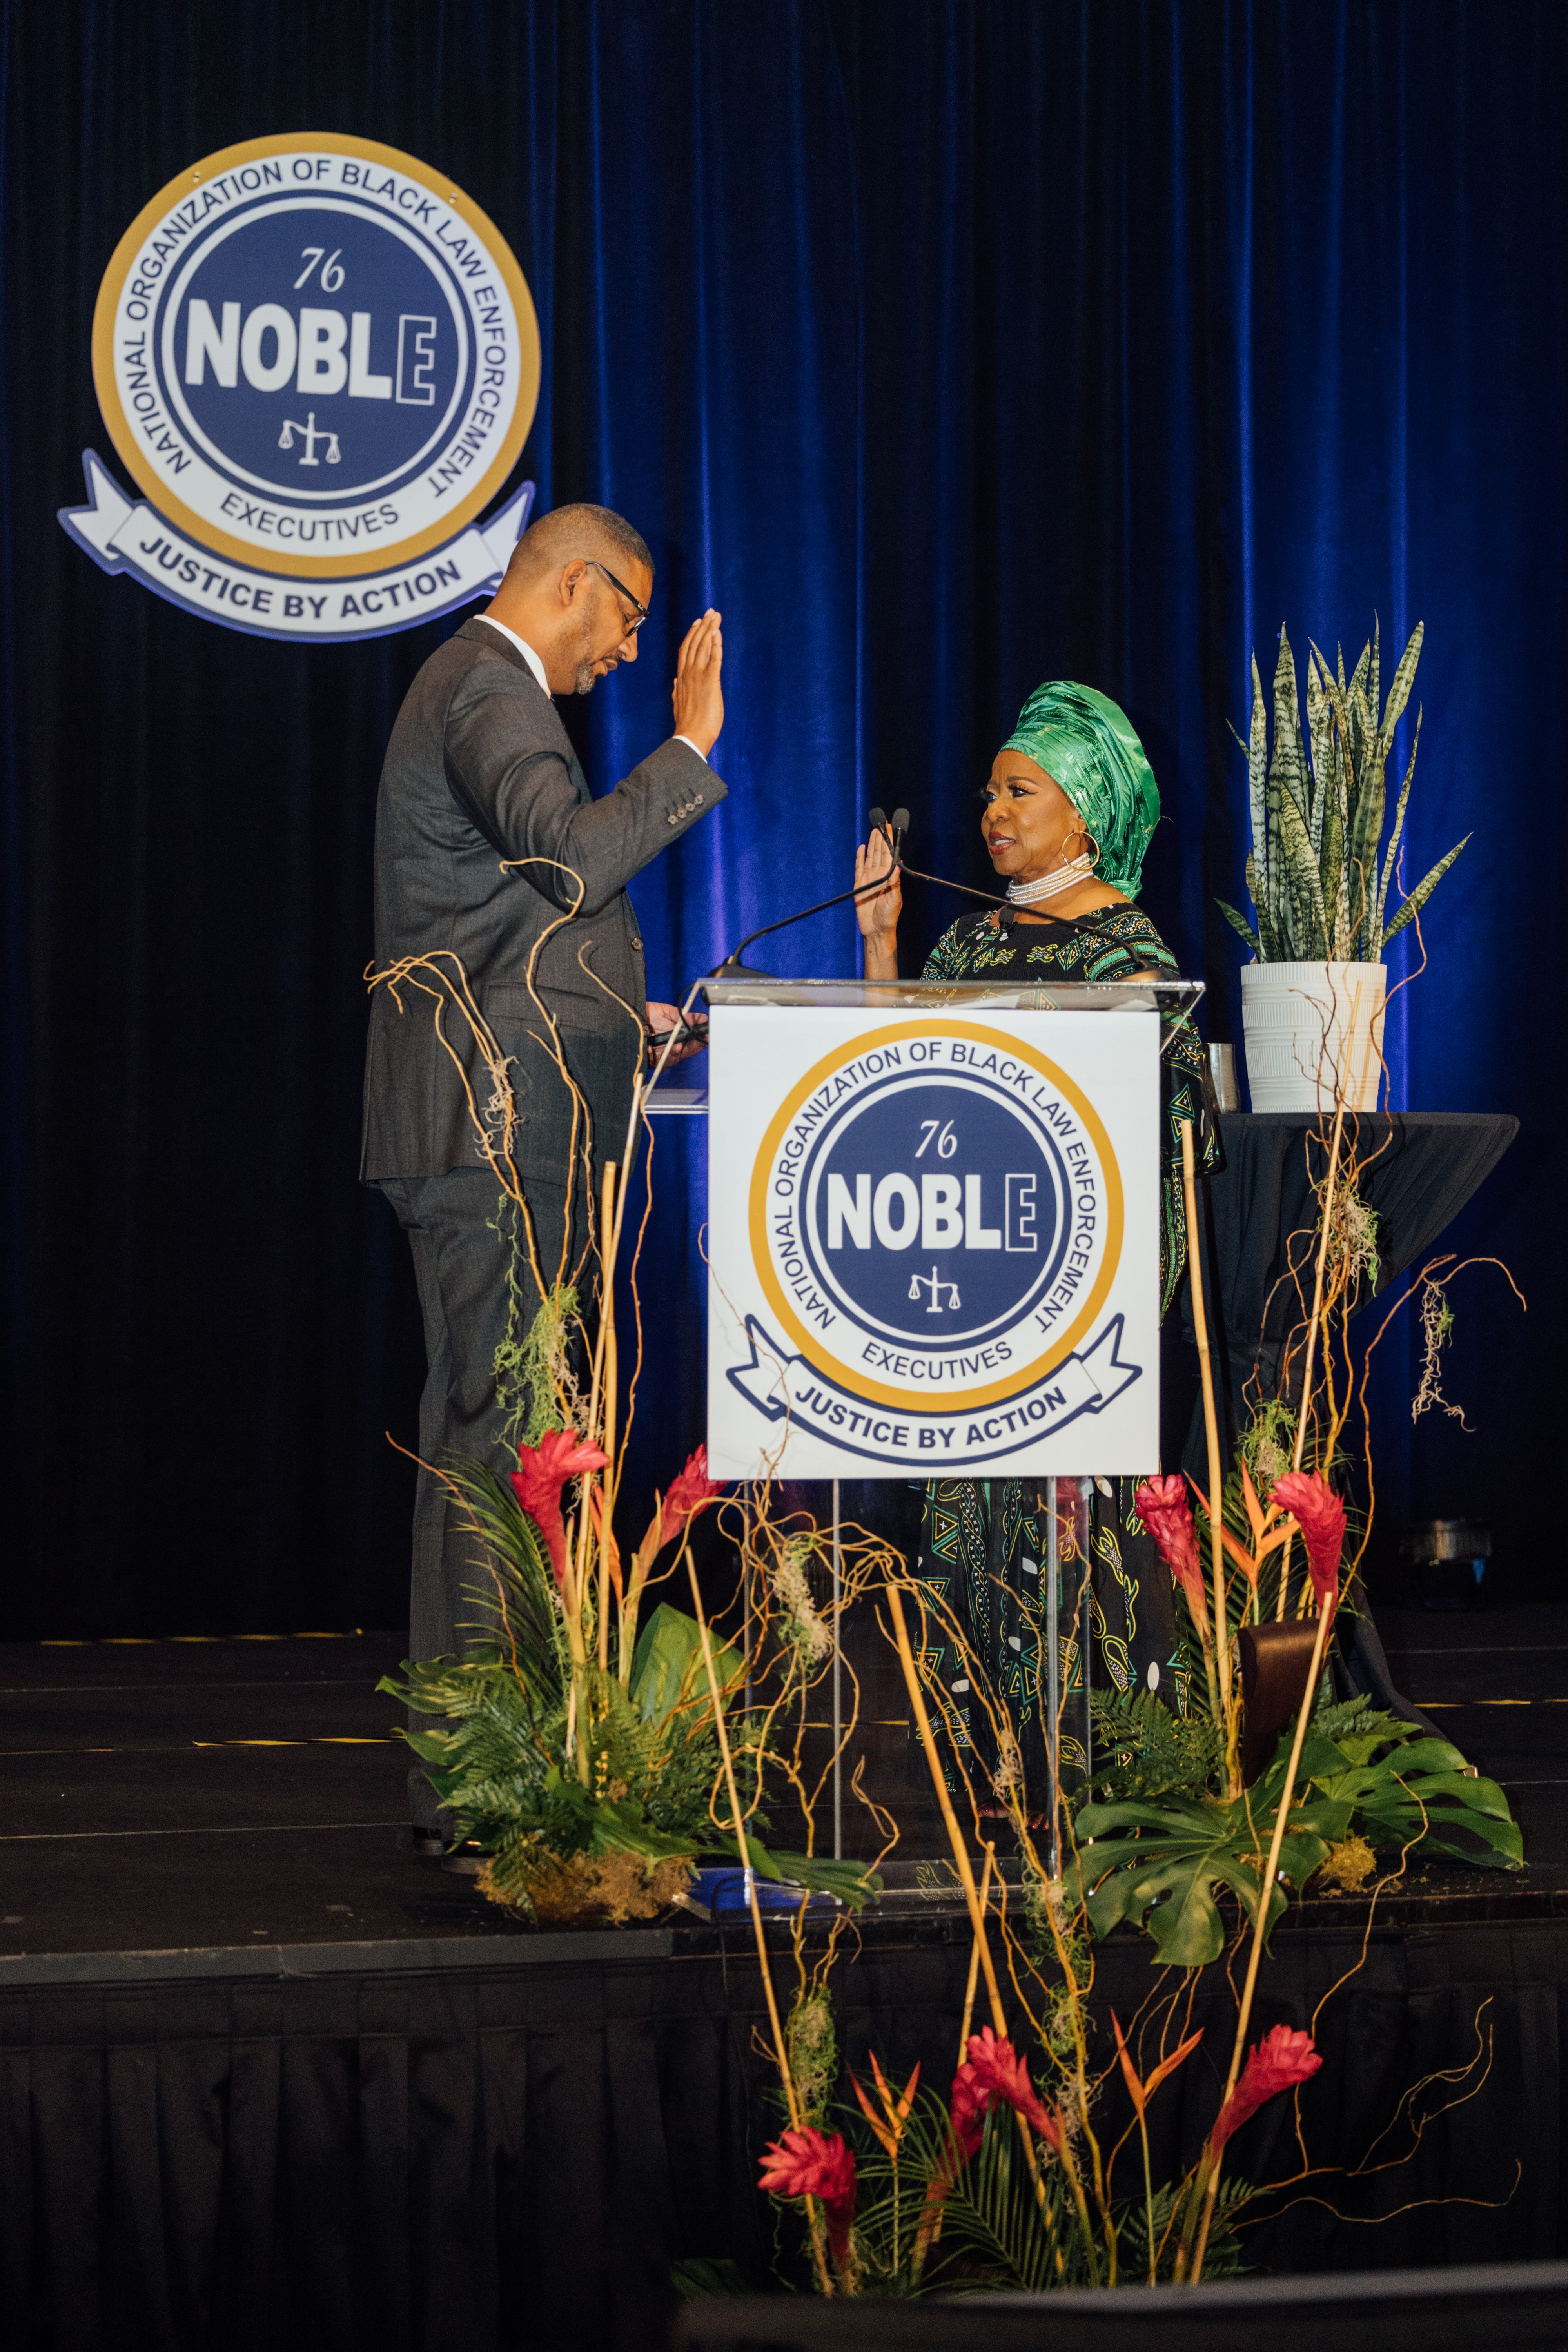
[481,768]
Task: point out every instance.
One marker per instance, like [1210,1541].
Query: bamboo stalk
[974,1962]
[607,1236]
[977,1922]
[1216,1481]
[950,1819]
[607,1273]
[1244,2019]
[781,2051]
[1313,1327]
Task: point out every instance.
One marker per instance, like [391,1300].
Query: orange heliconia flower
[888,2126]
[1142,2093]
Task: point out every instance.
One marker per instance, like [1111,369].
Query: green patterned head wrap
[1087,743]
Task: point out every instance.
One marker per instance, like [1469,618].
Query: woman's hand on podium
[879,916]
[699,702]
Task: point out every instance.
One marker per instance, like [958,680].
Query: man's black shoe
[466,1858]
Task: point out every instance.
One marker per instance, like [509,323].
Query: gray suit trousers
[460,1264]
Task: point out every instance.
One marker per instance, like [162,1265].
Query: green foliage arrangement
[623,1839]
[1006,2226]
[1158,1859]
[1313,872]
[1143,1751]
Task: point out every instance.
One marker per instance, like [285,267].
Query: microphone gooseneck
[892,831]
[733,968]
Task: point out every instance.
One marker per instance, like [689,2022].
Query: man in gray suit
[486,835]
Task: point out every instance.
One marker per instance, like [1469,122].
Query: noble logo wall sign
[319,360]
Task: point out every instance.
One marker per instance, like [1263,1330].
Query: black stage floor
[250,1795]
[268,2082]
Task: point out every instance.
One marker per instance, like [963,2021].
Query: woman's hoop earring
[1088,838]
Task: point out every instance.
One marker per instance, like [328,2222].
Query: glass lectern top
[1167,996]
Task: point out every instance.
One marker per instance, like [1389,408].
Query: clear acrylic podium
[1167,997]
[966,1002]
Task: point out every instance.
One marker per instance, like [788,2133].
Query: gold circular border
[830,1366]
[156,484]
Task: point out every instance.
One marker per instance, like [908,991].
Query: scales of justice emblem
[319,362]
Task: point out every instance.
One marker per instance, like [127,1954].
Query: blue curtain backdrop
[946,348]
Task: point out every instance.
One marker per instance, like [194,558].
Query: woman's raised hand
[878,915]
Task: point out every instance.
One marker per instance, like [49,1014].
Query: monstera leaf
[1160,1865]
[1419,1795]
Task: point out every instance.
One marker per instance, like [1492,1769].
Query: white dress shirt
[537,666]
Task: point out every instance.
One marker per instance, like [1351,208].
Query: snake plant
[1316,883]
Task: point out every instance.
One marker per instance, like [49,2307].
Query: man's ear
[572,577]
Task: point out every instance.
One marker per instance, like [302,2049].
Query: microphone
[733,968]
[893,832]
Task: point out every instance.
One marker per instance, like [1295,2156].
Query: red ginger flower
[542,1470]
[810,2163]
[1281,2059]
[1321,1516]
[693,1492]
[1162,1504]
[993,2070]
[968,2111]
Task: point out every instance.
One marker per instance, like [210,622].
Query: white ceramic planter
[1311,1031]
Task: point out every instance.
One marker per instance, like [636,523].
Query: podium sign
[934,1229]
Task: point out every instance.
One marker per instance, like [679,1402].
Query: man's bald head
[598,533]
[560,593]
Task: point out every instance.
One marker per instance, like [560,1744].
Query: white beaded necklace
[1028,894]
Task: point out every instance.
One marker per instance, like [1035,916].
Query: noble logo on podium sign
[319,360]
[933,1242]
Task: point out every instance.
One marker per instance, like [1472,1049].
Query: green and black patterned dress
[982,1542]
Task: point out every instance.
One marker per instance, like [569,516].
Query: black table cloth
[1259,1215]
[1258,1220]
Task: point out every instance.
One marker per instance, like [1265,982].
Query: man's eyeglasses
[621,590]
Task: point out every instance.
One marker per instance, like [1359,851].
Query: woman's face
[1028,820]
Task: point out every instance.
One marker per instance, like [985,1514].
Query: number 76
[331,276]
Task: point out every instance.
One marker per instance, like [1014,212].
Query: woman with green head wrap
[1069,811]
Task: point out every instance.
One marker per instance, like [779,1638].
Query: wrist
[702,736]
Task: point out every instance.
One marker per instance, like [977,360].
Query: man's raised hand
[698,699]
